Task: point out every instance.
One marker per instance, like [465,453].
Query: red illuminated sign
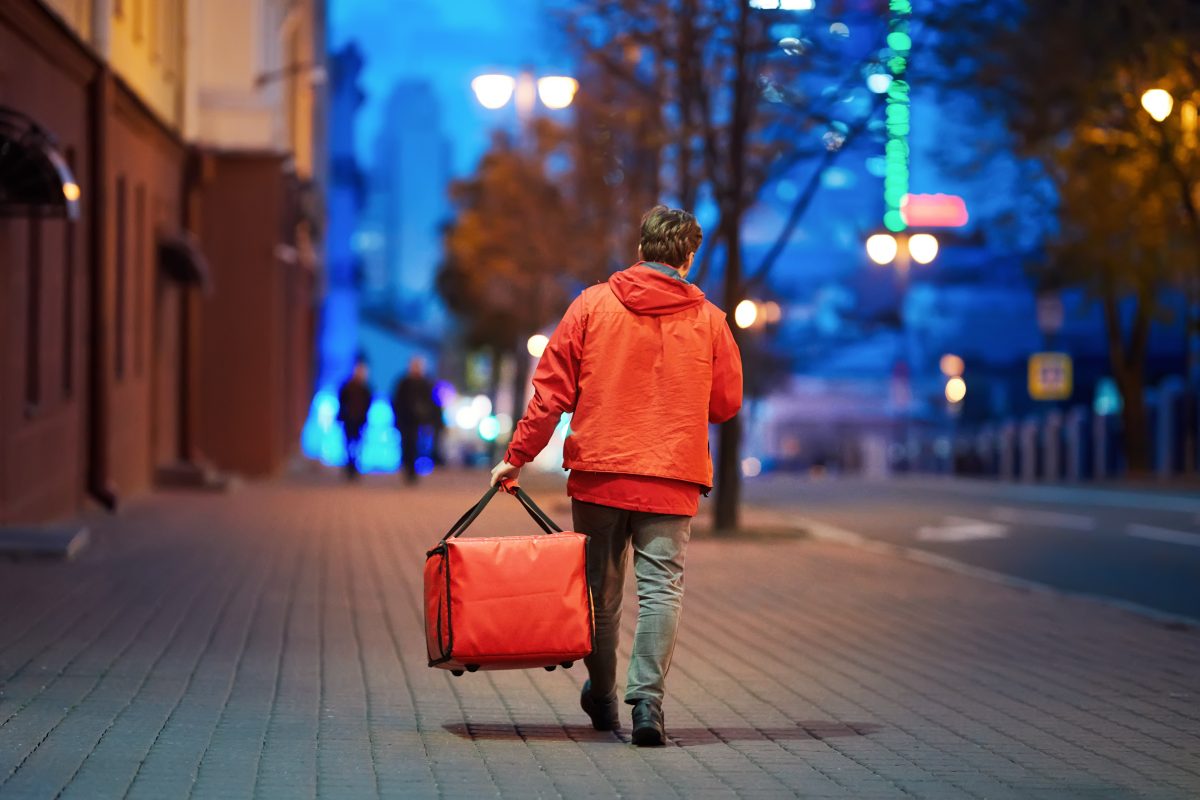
[934,211]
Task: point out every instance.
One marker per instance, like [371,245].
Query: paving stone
[269,644]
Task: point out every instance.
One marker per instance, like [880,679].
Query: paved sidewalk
[268,644]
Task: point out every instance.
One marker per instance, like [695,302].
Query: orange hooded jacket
[644,363]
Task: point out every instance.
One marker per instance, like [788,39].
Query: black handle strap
[540,517]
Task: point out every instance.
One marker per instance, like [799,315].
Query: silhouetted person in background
[354,400]
[414,406]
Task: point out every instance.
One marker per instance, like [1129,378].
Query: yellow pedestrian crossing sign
[1050,376]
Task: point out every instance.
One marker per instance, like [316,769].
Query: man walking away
[414,407]
[354,400]
[644,363]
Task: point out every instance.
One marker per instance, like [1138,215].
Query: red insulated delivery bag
[507,602]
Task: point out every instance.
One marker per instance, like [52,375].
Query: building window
[139,279]
[119,315]
[33,317]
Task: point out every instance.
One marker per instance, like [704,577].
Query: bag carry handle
[509,486]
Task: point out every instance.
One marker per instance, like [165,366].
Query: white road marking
[961,529]
[1047,519]
[1163,534]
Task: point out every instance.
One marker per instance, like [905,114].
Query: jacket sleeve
[555,388]
[726,396]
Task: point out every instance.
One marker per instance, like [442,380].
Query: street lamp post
[494,91]
[1159,104]
[903,249]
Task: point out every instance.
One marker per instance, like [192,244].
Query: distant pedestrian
[415,409]
[644,363]
[354,401]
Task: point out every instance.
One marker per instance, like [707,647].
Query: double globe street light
[884,248]
[494,91]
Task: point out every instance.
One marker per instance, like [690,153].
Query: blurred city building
[255,73]
[166,329]
[398,235]
[338,343]
[412,171]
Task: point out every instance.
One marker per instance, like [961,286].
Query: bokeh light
[882,248]
[899,41]
[1158,103]
[923,247]
[792,46]
[833,140]
[466,417]
[879,82]
[745,314]
[751,467]
[956,389]
[489,428]
[537,344]
[951,365]
[557,91]
[493,91]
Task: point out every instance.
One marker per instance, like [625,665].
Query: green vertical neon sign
[897,111]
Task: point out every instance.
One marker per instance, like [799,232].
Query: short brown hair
[669,235]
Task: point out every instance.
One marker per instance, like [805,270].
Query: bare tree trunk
[1136,424]
[733,206]
[1128,360]
[729,476]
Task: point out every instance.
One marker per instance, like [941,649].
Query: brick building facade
[169,325]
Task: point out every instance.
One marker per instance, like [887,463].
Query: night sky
[448,42]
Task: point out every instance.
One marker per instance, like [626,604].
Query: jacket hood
[646,291]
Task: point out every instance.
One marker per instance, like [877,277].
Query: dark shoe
[648,728]
[603,712]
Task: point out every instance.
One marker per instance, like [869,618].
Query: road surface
[1140,547]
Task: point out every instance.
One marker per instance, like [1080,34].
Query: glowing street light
[557,91]
[956,389]
[882,248]
[494,91]
[951,365]
[537,344]
[745,314]
[923,247]
[1158,103]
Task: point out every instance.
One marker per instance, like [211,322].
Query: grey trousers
[659,543]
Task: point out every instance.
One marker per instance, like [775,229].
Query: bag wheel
[456,672]
[472,668]
[550,668]
[567,664]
